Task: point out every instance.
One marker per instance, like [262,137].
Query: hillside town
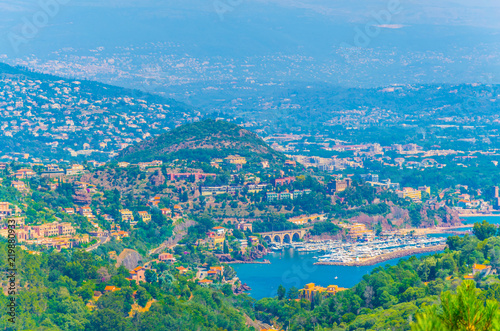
[204,190]
[232,165]
[59,114]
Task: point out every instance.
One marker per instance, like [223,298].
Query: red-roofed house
[166,257]
[24,174]
[216,270]
[153,202]
[145,216]
[177,209]
[284,181]
[205,282]
[138,274]
[482,269]
[111,288]
[166,211]
[219,230]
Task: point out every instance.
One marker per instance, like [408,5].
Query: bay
[292,268]
[494,219]
[470,220]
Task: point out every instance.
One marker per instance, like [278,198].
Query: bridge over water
[285,236]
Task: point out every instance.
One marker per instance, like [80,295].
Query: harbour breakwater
[388,256]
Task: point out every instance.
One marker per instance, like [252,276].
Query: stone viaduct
[284,236]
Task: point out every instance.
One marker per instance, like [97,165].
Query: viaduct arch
[284,236]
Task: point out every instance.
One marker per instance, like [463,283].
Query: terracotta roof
[205,281]
[166,254]
[481,266]
[111,288]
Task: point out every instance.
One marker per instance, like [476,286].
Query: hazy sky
[453,34]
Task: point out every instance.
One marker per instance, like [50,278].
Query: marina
[333,251]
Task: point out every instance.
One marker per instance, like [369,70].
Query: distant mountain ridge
[202,141]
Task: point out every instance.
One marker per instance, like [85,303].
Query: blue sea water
[292,268]
[469,220]
[473,219]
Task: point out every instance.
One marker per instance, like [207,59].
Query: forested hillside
[202,141]
[55,290]
[67,291]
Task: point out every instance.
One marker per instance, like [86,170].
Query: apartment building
[337,186]
[75,169]
[145,216]
[86,211]
[235,159]
[284,181]
[50,230]
[273,196]
[411,193]
[127,215]
[5,209]
[24,174]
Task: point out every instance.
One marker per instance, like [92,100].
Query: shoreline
[477,215]
[385,257]
[248,262]
[434,230]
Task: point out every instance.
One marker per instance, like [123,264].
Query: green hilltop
[202,141]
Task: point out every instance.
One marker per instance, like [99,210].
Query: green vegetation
[484,230]
[462,311]
[324,228]
[54,289]
[391,297]
[202,141]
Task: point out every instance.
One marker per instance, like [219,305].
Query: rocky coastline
[256,254]
[242,288]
